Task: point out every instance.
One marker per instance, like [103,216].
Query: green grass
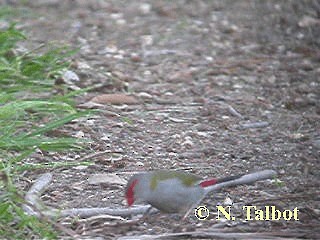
[28,112]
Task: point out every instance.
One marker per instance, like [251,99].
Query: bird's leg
[188,212]
[193,206]
[145,214]
[141,219]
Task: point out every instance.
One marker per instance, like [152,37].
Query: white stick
[34,206]
[89,212]
[32,196]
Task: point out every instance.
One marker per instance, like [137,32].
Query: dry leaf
[106,178]
[115,98]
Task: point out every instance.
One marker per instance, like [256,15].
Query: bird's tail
[216,184]
[213,181]
[227,179]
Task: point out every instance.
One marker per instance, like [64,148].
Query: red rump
[130,193]
[208,183]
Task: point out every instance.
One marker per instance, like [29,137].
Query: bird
[172,191]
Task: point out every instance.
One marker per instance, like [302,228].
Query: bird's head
[130,191]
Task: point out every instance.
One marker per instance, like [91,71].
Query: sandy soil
[200,70]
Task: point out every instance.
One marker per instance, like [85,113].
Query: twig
[254,125]
[286,197]
[217,234]
[93,155]
[34,205]
[32,196]
[89,212]
[29,207]
[148,53]
[233,111]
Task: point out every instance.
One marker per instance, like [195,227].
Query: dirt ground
[201,70]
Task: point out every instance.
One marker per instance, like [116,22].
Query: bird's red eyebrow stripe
[130,193]
[208,182]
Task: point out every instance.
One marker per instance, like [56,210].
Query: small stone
[140,164]
[188,142]
[70,76]
[147,73]
[237,86]
[144,95]
[147,40]
[228,201]
[121,21]
[81,167]
[79,134]
[116,15]
[145,8]
[209,58]
[134,57]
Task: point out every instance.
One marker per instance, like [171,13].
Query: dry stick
[218,234]
[32,198]
[286,197]
[33,202]
[233,111]
[148,53]
[88,212]
[254,125]
[245,179]
[96,154]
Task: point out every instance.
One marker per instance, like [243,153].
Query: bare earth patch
[216,88]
